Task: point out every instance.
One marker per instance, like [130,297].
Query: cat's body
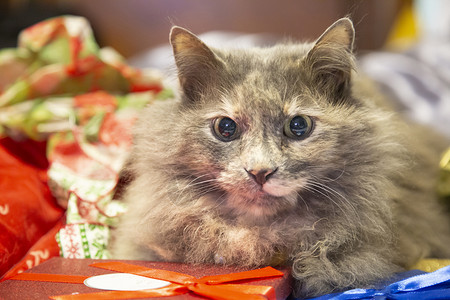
[282,156]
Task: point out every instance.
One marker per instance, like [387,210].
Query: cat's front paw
[318,275]
[309,287]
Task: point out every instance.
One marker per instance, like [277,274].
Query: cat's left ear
[197,64]
[330,62]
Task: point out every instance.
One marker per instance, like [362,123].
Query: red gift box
[32,285]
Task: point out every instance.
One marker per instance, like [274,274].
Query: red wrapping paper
[27,209]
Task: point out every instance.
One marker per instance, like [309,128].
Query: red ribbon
[214,287]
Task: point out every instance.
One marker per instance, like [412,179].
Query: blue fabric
[435,285]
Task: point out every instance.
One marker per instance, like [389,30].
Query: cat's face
[266,127]
[268,148]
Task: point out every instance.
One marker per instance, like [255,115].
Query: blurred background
[404,45]
[134,26]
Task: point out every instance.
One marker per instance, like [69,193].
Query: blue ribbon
[435,285]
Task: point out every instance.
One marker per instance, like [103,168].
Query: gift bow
[213,287]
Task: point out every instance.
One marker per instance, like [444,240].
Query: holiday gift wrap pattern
[59,86]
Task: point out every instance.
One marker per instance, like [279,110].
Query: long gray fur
[350,204]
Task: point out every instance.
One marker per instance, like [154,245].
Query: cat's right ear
[330,62]
[196,63]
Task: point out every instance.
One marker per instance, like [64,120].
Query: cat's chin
[260,204]
[276,190]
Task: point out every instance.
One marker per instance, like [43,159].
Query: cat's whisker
[199,188]
[326,188]
[333,191]
[328,179]
[303,200]
[220,200]
[319,189]
[197,178]
[206,190]
[314,190]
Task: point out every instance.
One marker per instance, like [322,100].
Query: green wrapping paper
[59,86]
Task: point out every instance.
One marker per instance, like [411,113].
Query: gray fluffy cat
[282,155]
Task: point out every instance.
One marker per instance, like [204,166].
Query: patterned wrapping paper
[56,60]
[59,86]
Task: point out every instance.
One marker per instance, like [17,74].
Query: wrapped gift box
[32,289]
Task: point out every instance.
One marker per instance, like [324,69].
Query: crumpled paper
[54,61]
[59,86]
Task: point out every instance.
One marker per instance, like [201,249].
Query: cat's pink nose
[261,176]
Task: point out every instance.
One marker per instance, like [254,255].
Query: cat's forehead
[263,84]
[264,91]
[266,104]
[265,72]
[275,58]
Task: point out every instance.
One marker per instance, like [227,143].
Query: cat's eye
[299,127]
[225,129]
